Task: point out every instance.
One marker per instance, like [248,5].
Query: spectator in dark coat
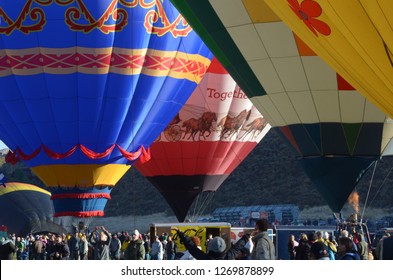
[346,250]
[387,248]
[7,249]
[135,250]
[101,241]
[303,250]
[60,250]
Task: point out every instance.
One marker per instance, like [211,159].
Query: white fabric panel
[231,14]
[247,40]
[291,73]
[373,114]
[351,106]
[267,109]
[319,75]
[278,39]
[327,105]
[387,143]
[284,105]
[267,75]
[304,106]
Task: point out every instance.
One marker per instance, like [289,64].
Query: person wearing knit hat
[136,233]
[135,250]
[216,245]
[217,249]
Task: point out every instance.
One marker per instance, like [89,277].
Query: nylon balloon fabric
[212,134]
[320,112]
[86,87]
[25,208]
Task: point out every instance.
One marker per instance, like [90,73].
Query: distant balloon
[334,130]
[86,87]
[212,134]
[25,208]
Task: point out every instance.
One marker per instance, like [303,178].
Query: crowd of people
[100,244]
[323,246]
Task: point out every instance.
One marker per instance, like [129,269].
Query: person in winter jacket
[115,247]
[135,250]
[216,248]
[346,250]
[263,246]
[157,250]
[60,250]
[101,241]
[7,249]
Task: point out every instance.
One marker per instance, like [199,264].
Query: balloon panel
[87,86]
[317,110]
[25,208]
[91,87]
[353,37]
[212,134]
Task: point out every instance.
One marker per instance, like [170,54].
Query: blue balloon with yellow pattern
[86,87]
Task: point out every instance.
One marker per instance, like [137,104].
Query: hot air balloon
[336,133]
[212,134]
[87,86]
[25,208]
[354,37]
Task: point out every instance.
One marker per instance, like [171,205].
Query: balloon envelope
[335,131]
[354,37]
[86,86]
[25,208]
[212,134]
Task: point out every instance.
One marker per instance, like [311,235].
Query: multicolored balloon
[334,130]
[354,37]
[212,134]
[87,86]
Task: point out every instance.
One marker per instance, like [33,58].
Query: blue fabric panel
[314,132]
[26,211]
[304,140]
[336,177]
[369,141]
[79,205]
[333,139]
[95,110]
[56,34]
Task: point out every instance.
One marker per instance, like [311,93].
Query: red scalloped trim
[141,153]
[98,213]
[80,196]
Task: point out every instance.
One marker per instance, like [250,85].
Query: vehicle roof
[306,228]
[207,224]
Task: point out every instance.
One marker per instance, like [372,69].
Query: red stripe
[288,134]
[195,158]
[99,213]
[216,67]
[343,84]
[81,196]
